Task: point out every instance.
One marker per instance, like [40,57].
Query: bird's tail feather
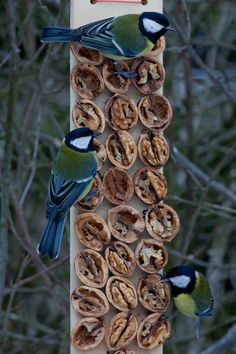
[50,242]
[56,34]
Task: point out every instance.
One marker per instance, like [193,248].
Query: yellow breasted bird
[118,38]
[191,293]
[71,180]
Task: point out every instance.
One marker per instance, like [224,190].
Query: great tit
[191,293]
[71,180]
[118,38]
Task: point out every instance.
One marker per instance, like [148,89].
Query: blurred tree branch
[223,344]
[203,178]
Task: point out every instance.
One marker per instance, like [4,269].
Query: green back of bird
[202,293]
[74,165]
[135,41]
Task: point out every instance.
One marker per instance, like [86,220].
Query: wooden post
[83,12]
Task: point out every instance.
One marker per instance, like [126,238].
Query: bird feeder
[131,131]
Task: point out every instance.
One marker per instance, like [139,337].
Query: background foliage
[34,91]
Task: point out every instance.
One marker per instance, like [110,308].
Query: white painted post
[83,12]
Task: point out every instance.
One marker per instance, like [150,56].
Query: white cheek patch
[181,281]
[152,26]
[81,143]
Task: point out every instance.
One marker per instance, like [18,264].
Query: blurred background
[34,99]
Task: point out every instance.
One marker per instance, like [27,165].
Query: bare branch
[203,178]
[223,344]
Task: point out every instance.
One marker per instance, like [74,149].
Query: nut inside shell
[95,198]
[153,331]
[150,74]
[114,82]
[118,186]
[121,149]
[87,114]
[121,112]
[153,294]
[86,81]
[87,333]
[100,152]
[120,259]
[125,223]
[150,185]
[86,55]
[151,255]
[155,111]
[91,268]
[89,301]
[153,149]
[121,330]
[162,222]
[92,230]
[121,293]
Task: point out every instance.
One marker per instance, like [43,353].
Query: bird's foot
[122,73]
[170,317]
[126,74]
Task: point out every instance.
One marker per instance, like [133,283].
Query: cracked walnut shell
[87,333]
[100,153]
[86,55]
[124,351]
[151,255]
[150,75]
[121,330]
[92,202]
[118,186]
[121,149]
[121,112]
[158,48]
[91,268]
[87,114]
[121,293]
[120,259]
[153,149]
[150,185]
[162,222]
[125,223]
[155,111]
[153,331]
[92,231]
[86,81]
[89,301]
[153,295]
[114,82]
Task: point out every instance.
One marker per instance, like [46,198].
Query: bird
[122,37]
[71,179]
[191,293]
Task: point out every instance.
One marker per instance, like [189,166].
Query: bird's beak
[96,134]
[164,279]
[169,28]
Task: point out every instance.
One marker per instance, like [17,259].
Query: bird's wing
[203,297]
[97,35]
[208,312]
[63,194]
